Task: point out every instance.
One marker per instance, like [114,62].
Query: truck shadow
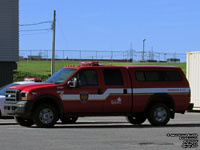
[7,124]
[103,125]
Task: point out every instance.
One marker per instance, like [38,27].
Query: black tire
[24,122]
[159,114]
[45,116]
[137,119]
[69,120]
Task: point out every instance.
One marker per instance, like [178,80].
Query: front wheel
[24,122]
[45,116]
[159,114]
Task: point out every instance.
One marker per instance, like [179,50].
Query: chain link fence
[128,55]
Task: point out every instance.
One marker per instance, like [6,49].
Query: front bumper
[21,108]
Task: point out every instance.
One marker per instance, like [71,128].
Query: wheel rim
[46,116]
[160,114]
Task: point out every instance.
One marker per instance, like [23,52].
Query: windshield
[61,76]
[4,88]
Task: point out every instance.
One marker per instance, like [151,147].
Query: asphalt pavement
[103,133]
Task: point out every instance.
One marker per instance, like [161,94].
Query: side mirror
[72,83]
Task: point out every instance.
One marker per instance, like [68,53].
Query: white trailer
[193,76]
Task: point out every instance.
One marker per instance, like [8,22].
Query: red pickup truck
[155,93]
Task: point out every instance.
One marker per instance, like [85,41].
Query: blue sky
[167,25]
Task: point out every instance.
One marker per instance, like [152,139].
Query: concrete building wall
[9,39]
[6,74]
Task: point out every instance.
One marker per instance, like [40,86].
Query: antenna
[53,44]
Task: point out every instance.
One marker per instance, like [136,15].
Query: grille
[12,95]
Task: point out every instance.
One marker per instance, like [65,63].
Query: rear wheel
[137,119]
[45,116]
[24,122]
[69,120]
[159,114]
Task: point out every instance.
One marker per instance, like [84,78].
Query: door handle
[125,91]
[100,91]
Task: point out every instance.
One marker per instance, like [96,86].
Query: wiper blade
[57,82]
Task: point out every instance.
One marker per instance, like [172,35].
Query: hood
[30,87]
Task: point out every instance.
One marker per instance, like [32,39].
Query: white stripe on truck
[129,91]
[160,90]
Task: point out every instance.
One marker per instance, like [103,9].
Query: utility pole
[53,44]
[143,50]
[131,52]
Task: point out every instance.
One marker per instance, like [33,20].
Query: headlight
[25,96]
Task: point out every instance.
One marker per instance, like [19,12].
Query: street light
[143,50]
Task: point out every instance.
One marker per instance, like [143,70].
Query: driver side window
[88,77]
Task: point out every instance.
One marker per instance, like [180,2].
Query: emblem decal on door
[84,97]
[117,101]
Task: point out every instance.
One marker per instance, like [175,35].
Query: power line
[36,30]
[33,24]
